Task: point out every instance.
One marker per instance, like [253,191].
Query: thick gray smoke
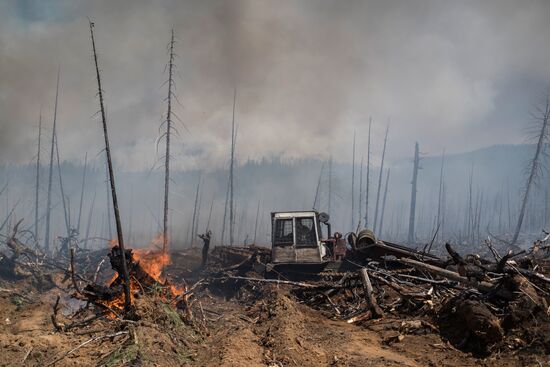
[456,76]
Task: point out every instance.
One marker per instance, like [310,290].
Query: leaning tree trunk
[534,167]
[127,299]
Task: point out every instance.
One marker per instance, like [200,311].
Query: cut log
[369,292]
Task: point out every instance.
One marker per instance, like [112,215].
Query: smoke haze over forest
[458,77]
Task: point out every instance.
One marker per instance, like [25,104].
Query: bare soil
[252,326]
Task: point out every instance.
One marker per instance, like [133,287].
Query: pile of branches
[478,305]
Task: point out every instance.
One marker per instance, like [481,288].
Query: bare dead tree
[329,184]
[231,175]
[108,197]
[194,221]
[353,185]
[367,179]
[540,118]
[168,123]
[380,180]
[225,212]
[199,205]
[412,213]
[82,192]
[469,212]
[127,299]
[360,195]
[50,173]
[90,216]
[316,198]
[207,227]
[256,222]
[37,185]
[63,197]
[440,195]
[380,228]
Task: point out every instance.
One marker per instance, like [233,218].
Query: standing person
[205,246]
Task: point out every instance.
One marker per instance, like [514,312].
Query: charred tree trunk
[316,198]
[209,215]
[360,195]
[231,175]
[367,179]
[330,185]
[384,202]
[225,212]
[380,181]
[108,197]
[194,221]
[256,222]
[440,195]
[535,164]
[353,185]
[63,197]
[127,299]
[90,216]
[167,154]
[82,192]
[37,186]
[50,173]
[412,213]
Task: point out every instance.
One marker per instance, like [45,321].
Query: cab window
[284,234]
[305,232]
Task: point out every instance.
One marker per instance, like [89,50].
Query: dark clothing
[205,247]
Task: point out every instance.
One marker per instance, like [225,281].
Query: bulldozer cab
[296,237]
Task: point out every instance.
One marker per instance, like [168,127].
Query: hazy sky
[457,75]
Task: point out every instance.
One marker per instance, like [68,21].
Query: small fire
[153,261]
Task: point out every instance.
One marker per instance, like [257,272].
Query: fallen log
[373,305]
[482,286]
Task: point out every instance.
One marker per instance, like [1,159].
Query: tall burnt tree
[412,213]
[380,180]
[222,238]
[50,172]
[195,206]
[127,299]
[440,208]
[329,185]
[359,219]
[63,197]
[168,123]
[380,228]
[37,184]
[82,192]
[232,175]
[367,185]
[541,135]
[317,190]
[353,185]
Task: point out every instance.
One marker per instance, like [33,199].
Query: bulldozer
[302,245]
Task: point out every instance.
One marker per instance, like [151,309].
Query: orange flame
[153,261]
